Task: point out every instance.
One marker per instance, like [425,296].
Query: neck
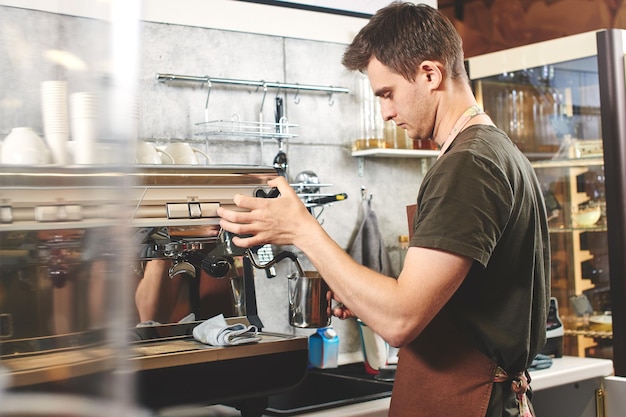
[450,119]
[462,121]
[454,99]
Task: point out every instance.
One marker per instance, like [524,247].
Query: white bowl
[24,147]
[587,218]
[601,322]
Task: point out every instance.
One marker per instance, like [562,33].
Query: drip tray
[328,388]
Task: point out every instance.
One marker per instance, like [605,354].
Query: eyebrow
[381,91]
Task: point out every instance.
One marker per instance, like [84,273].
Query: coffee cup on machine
[148,154]
[183,153]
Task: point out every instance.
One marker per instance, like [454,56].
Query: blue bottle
[324,348]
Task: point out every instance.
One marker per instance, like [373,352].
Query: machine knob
[59,276]
[216,266]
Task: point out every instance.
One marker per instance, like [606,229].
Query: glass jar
[371,124]
[402,139]
[425,144]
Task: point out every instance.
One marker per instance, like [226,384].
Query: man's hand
[339,310]
[278,221]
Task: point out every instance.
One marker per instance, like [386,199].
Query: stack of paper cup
[84,126]
[55,121]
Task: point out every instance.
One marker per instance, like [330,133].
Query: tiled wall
[170,111]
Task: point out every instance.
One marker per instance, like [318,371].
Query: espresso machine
[76,243]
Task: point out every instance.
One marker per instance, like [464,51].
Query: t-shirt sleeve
[463,207]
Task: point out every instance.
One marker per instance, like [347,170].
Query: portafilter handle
[220,260]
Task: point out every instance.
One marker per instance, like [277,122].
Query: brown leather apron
[441,374]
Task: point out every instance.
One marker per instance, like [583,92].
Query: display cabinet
[559,101]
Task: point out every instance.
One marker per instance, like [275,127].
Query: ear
[432,74]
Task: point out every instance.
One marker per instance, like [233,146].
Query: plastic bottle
[403,243]
[324,348]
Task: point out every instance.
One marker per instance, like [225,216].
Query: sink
[328,388]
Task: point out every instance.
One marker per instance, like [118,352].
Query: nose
[387,110]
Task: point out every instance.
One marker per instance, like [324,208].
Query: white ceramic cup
[183,153]
[24,147]
[148,154]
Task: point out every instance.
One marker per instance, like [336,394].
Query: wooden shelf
[564,229]
[423,155]
[602,334]
[396,153]
[568,163]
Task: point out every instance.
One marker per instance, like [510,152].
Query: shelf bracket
[361,165]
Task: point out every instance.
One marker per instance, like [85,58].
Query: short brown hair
[402,36]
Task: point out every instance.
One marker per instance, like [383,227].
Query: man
[469,307]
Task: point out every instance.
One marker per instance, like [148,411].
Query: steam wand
[277,258]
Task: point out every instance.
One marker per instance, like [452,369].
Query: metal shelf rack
[235,127]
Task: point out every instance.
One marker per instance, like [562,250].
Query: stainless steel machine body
[75,244]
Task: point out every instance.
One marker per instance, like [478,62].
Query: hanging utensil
[327,199]
[280,160]
[307,182]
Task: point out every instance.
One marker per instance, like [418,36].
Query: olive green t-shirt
[481,199]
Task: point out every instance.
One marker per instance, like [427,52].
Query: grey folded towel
[216,332]
[148,323]
[368,246]
[540,362]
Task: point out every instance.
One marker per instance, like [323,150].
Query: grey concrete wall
[170,112]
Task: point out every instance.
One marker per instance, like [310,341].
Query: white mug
[183,153]
[24,147]
[148,154]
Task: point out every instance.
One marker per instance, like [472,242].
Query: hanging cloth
[368,246]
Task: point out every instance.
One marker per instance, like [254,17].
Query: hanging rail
[265,84]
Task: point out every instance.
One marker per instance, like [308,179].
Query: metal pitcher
[308,306]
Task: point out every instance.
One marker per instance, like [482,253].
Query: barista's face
[410,104]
